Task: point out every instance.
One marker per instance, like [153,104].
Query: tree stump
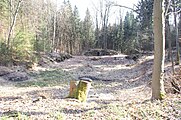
[72,90]
[80,91]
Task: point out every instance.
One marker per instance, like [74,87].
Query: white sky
[84,4]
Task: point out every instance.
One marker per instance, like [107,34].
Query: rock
[16,76]
[5,71]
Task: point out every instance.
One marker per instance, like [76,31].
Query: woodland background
[30,26]
[36,37]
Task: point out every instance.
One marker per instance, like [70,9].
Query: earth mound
[100,52]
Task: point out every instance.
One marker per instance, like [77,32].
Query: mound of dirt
[16,76]
[100,52]
[4,70]
[59,57]
[13,74]
[133,57]
[53,57]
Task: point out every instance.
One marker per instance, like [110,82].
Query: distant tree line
[28,26]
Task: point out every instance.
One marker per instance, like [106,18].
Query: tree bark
[159,53]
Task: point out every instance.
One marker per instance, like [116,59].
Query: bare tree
[176,28]
[103,11]
[13,16]
[105,18]
[159,53]
[54,28]
[167,33]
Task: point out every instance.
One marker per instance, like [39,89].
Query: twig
[126,8]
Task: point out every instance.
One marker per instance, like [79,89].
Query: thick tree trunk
[159,54]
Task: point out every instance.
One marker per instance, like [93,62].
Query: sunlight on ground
[149,57]
[115,67]
[72,67]
[35,67]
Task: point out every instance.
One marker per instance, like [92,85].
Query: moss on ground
[46,78]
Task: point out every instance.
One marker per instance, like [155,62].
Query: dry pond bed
[120,90]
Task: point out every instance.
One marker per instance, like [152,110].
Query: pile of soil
[100,52]
[53,57]
[14,75]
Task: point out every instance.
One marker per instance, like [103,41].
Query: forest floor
[120,90]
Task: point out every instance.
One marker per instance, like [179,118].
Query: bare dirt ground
[120,90]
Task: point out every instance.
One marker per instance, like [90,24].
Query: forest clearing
[120,90]
[119,60]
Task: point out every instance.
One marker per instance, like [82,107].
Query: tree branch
[166,12]
[173,12]
[126,7]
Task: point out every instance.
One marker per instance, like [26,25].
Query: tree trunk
[167,35]
[82,90]
[54,31]
[13,22]
[176,39]
[72,90]
[167,29]
[159,53]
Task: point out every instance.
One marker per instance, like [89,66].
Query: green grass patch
[47,78]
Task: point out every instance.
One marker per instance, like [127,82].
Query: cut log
[81,90]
